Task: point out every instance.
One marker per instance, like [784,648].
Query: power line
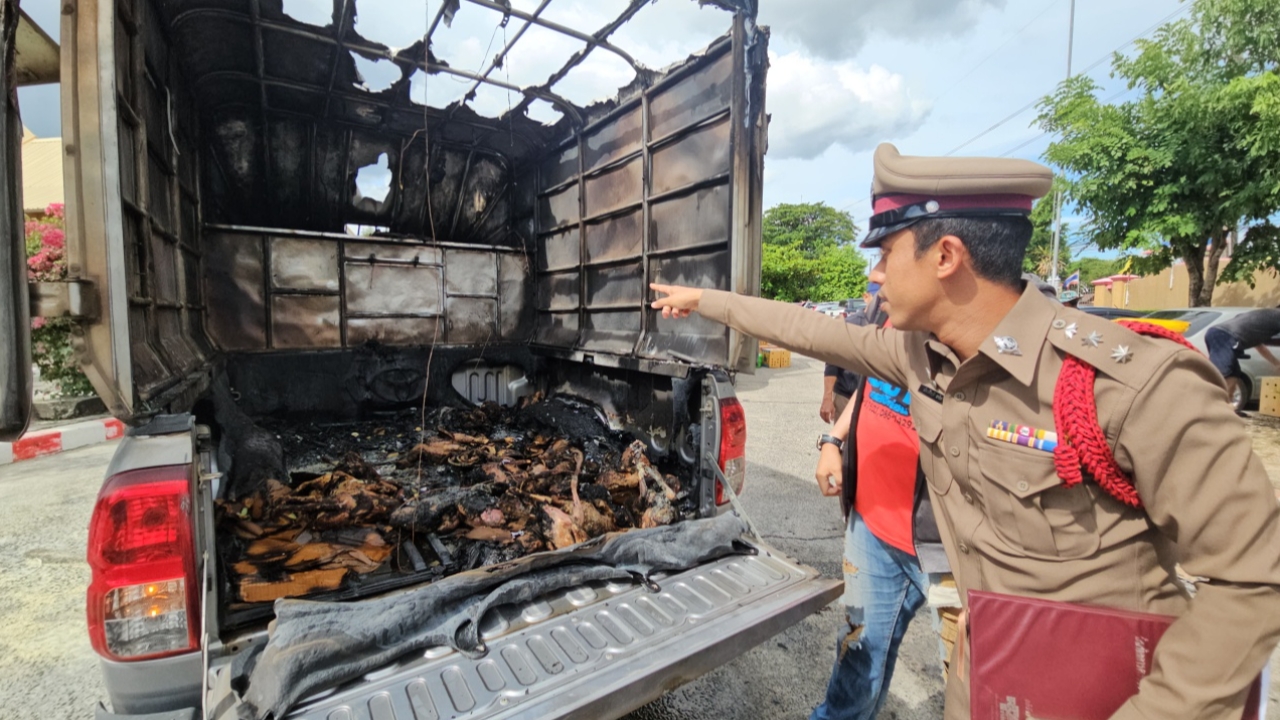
[1101,60]
[954,83]
[1108,101]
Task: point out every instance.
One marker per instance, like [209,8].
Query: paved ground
[49,672]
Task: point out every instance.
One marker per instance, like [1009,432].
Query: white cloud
[837,29]
[815,105]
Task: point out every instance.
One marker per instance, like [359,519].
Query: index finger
[662,288]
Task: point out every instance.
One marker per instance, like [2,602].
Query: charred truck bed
[373,505]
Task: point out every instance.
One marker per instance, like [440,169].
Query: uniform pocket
[1031,510]
[928,423]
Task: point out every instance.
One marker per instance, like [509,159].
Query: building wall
[1169,290]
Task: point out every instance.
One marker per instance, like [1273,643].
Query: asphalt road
[49,672]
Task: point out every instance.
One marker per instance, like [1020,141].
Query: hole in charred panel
[311,12]
[396,25]
[648,37]
[437,91]
[375,75]
[544,112]
[598,77]
[373,185]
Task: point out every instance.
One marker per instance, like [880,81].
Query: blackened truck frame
[279,98]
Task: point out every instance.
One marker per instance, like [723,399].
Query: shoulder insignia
[1112,348]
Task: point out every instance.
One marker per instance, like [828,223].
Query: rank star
[1092,340]
[1070,331]
[1121,354]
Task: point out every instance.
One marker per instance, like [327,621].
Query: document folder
[1044,660]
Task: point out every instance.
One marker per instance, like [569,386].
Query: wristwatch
[824,439]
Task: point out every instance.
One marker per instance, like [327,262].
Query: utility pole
[1054,278]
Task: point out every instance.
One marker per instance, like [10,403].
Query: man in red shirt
[884,581]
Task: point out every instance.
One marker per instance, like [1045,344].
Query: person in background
[838,383]
[1228,341]
[875,470]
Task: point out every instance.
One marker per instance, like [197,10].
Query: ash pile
[368,506]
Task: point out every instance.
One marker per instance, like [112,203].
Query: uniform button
[959,396]
[955,451]
[964,548]
[1059,324]
[1022,486]
[968,497]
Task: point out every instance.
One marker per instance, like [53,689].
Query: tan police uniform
[1009,524]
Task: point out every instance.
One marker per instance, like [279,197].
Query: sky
[929,76]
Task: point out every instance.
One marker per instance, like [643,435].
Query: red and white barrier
[55,440]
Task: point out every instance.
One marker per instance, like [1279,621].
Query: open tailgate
[599,650]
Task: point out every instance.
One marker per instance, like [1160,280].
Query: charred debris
[364,506]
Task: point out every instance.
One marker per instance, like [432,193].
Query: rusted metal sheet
[374,289]
[298,264]
[305,321]
[235,286]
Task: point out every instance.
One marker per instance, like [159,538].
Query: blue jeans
[884,587]
[1224,351]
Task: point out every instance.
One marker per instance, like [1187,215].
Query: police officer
[983,353]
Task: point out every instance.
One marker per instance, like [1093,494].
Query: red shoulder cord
[1082,446]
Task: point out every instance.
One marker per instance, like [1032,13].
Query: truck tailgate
[596,651]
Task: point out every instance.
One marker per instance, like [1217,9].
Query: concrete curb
[65,437]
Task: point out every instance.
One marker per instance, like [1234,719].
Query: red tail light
[733,447]
[144,600]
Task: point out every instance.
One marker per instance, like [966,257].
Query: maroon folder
[1060,661]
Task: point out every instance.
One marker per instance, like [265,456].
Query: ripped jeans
[884,587]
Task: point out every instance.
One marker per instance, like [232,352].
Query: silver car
[1253,366]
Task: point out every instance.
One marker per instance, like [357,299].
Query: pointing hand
[679,301]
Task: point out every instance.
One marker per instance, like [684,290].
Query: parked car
[1110,313]
[224,308]
[1253,367]
[831,309]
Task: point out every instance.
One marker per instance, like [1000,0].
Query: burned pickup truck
[405,440]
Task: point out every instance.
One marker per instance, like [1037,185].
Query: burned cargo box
[423,495]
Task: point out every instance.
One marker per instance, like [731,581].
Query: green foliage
[809,254]
[1172,172]
[51,337]
[1092,268]
[1038,259]
[809,227]
[51,349]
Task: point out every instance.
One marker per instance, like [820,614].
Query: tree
[809,227]
[1177,169]
[1040,249]
[1092,268]
[809,254]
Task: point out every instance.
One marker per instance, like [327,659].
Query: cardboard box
[777,358]
[1269,397]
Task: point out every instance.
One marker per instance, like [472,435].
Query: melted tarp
[314,645]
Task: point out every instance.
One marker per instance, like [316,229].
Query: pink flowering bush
[51,337]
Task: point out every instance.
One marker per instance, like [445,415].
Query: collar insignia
[1092,340]
[1070,331]
[1121,354]
[1006,345]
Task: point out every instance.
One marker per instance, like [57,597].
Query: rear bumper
[601,652]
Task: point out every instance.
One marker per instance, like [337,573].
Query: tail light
[144,598]
[733,447]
